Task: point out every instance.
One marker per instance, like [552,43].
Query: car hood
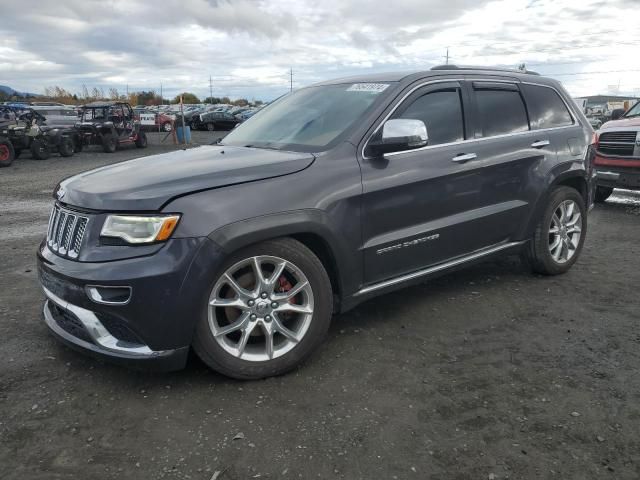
[623,122]
[147,183]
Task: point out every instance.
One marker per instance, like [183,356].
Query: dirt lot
[489,373]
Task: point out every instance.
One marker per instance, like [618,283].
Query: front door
[420,207]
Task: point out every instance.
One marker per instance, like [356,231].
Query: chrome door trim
[436,268]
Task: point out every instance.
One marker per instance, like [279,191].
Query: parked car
[335,193]
[596,123]
[617,158]
[111,125]
[7,154]
[161,121]
[214,121]
[30,132]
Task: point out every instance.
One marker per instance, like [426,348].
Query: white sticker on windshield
[368,87]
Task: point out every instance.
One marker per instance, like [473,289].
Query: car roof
[440,71]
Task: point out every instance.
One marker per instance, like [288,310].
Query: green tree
[213,100]
[186,98]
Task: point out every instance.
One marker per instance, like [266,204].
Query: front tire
[109,144]
[66,149]
[211,127]
[167,127]
[268,308]
[7,154]
[141,140]
[602,193]
[40,150]
[559,236]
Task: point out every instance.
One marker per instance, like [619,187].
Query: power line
[590,73]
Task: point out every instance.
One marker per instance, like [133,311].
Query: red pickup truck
[617,160]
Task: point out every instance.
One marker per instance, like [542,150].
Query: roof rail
[493,69]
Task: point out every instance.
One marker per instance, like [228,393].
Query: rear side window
[441,112]
[546,108]
[501,112]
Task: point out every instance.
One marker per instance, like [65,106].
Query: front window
[311,119]
[633,111]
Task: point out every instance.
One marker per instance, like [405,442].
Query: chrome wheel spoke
[280,328]
[242,292]
[294,308]
[574,220]
[232,327]
[565,230]
[229,302]
[244,338]
[268,340]
[261,282]
[273,280]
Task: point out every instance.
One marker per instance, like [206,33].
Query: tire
[7,154]
[167,127]
[40,150]
[602,193]
[287,352]
[109,143]
[540,250]
[65,149]
[211,127]
[141,140]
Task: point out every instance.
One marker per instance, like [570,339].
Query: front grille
[65,232]
[69,322]
[617,143]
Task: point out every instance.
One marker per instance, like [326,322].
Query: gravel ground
[487,373]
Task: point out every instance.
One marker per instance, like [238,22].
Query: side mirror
[617,113]
[398,135]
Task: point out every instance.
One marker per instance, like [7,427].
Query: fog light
[109,295]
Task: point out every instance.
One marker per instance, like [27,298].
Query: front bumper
[154,327]
[617,172]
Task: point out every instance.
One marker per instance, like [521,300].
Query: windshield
[633,111]
[308,120]
[89,114]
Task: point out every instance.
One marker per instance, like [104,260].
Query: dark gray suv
[334,193]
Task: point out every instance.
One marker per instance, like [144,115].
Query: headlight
[140,229]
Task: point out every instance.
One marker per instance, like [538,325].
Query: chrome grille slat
[65,231]
[621,143]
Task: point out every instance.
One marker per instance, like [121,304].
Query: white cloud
[248,46]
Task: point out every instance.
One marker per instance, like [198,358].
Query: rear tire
[109,144]
[65,149]
[567,234]
[141,140]
[7,154]
[167,127]
[602,193]
[253,360]
[40,150]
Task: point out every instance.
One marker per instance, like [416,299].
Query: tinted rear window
[501,112]
[546,108]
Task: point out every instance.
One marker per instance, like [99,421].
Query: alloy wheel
[260,308]
[565,231]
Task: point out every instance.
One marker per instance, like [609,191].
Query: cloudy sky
[249,46]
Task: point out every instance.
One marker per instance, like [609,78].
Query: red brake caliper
[284,285]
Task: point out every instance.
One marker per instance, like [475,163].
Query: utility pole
[210,90]
[161,97]
[291,80]
[127,90]
[447,56]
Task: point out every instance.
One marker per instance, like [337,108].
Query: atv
[30,132]
[109,124]
[6,152]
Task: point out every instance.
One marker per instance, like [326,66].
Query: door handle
[540,143]
[464,157]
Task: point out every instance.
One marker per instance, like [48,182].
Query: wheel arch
[572,177]
[309,227]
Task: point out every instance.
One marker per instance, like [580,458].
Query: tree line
[148,98]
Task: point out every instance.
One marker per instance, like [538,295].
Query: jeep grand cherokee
[334,193]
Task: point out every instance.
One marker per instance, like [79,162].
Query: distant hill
[10,91]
